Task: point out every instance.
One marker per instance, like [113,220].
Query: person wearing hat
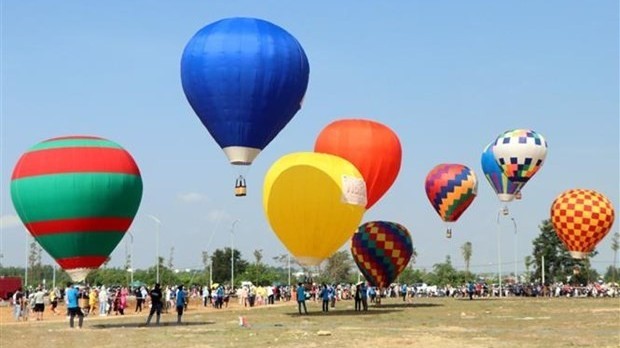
[156,303]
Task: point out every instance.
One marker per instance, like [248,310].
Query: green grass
[441,322]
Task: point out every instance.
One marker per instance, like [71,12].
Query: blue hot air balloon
[506,190]
[245,78]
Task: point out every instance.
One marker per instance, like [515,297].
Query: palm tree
[466,250]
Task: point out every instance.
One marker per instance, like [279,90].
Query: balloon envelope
[371,146]
[451,188]
[381,250]
[77,196]
[505,189]
[581,218]
[245,78]
[313,202]
[520,153]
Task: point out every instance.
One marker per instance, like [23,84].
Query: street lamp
[514,223]
[499,251]
[130,257]
[157,226]
[232,255]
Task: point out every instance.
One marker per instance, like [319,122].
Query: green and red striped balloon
[77,195]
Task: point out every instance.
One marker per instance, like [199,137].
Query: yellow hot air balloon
[314,203]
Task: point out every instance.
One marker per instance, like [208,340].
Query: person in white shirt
[103,301]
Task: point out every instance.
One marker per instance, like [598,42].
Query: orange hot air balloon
[371,146]
[581,218]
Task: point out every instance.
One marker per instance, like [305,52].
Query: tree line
[339,268]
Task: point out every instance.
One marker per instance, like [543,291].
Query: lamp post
[130,257]
[1,247]
[499,253]
[514,223]
[232,255]
[157,226]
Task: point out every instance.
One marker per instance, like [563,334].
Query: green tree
[444,274]
[258,272]
[557,258]
[411,276]
[337,268]
[221,265]
[466,251]
[559,265]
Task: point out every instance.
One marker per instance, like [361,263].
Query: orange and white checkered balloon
[581,218]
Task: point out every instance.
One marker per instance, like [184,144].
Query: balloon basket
[240,187]
[449,233]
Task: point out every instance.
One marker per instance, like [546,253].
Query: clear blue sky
[447,76]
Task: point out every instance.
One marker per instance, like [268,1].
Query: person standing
[93,297]
[470,290]
[358,297]
[156,304]
[364,296]
[72,306]
[403,292]
[54,300]
[39,304]
[181,300]
[301,298]
[205,295]
[324,294]
[18,303]
[103,301]
[139,299]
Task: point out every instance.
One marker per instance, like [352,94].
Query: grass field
[432,322]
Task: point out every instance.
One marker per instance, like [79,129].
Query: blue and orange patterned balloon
[381,250]
[451,188]
[505,189]
[520,153]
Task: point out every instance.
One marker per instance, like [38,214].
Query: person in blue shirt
[325,297]
[181,298]
[301,298]
[364,296]
[72,306]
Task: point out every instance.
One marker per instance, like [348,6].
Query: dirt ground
[427,322]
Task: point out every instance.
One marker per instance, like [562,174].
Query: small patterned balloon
[451,188]
[381,250]
[520,153]
[581,219]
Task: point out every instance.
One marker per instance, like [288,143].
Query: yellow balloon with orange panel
[314,203]
[581,218]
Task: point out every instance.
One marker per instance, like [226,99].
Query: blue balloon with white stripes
[505,189]
[246,79]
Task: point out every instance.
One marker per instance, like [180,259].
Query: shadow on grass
[344,312]
[408,305]
[152,325]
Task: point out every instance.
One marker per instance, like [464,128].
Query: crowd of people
[82,301]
